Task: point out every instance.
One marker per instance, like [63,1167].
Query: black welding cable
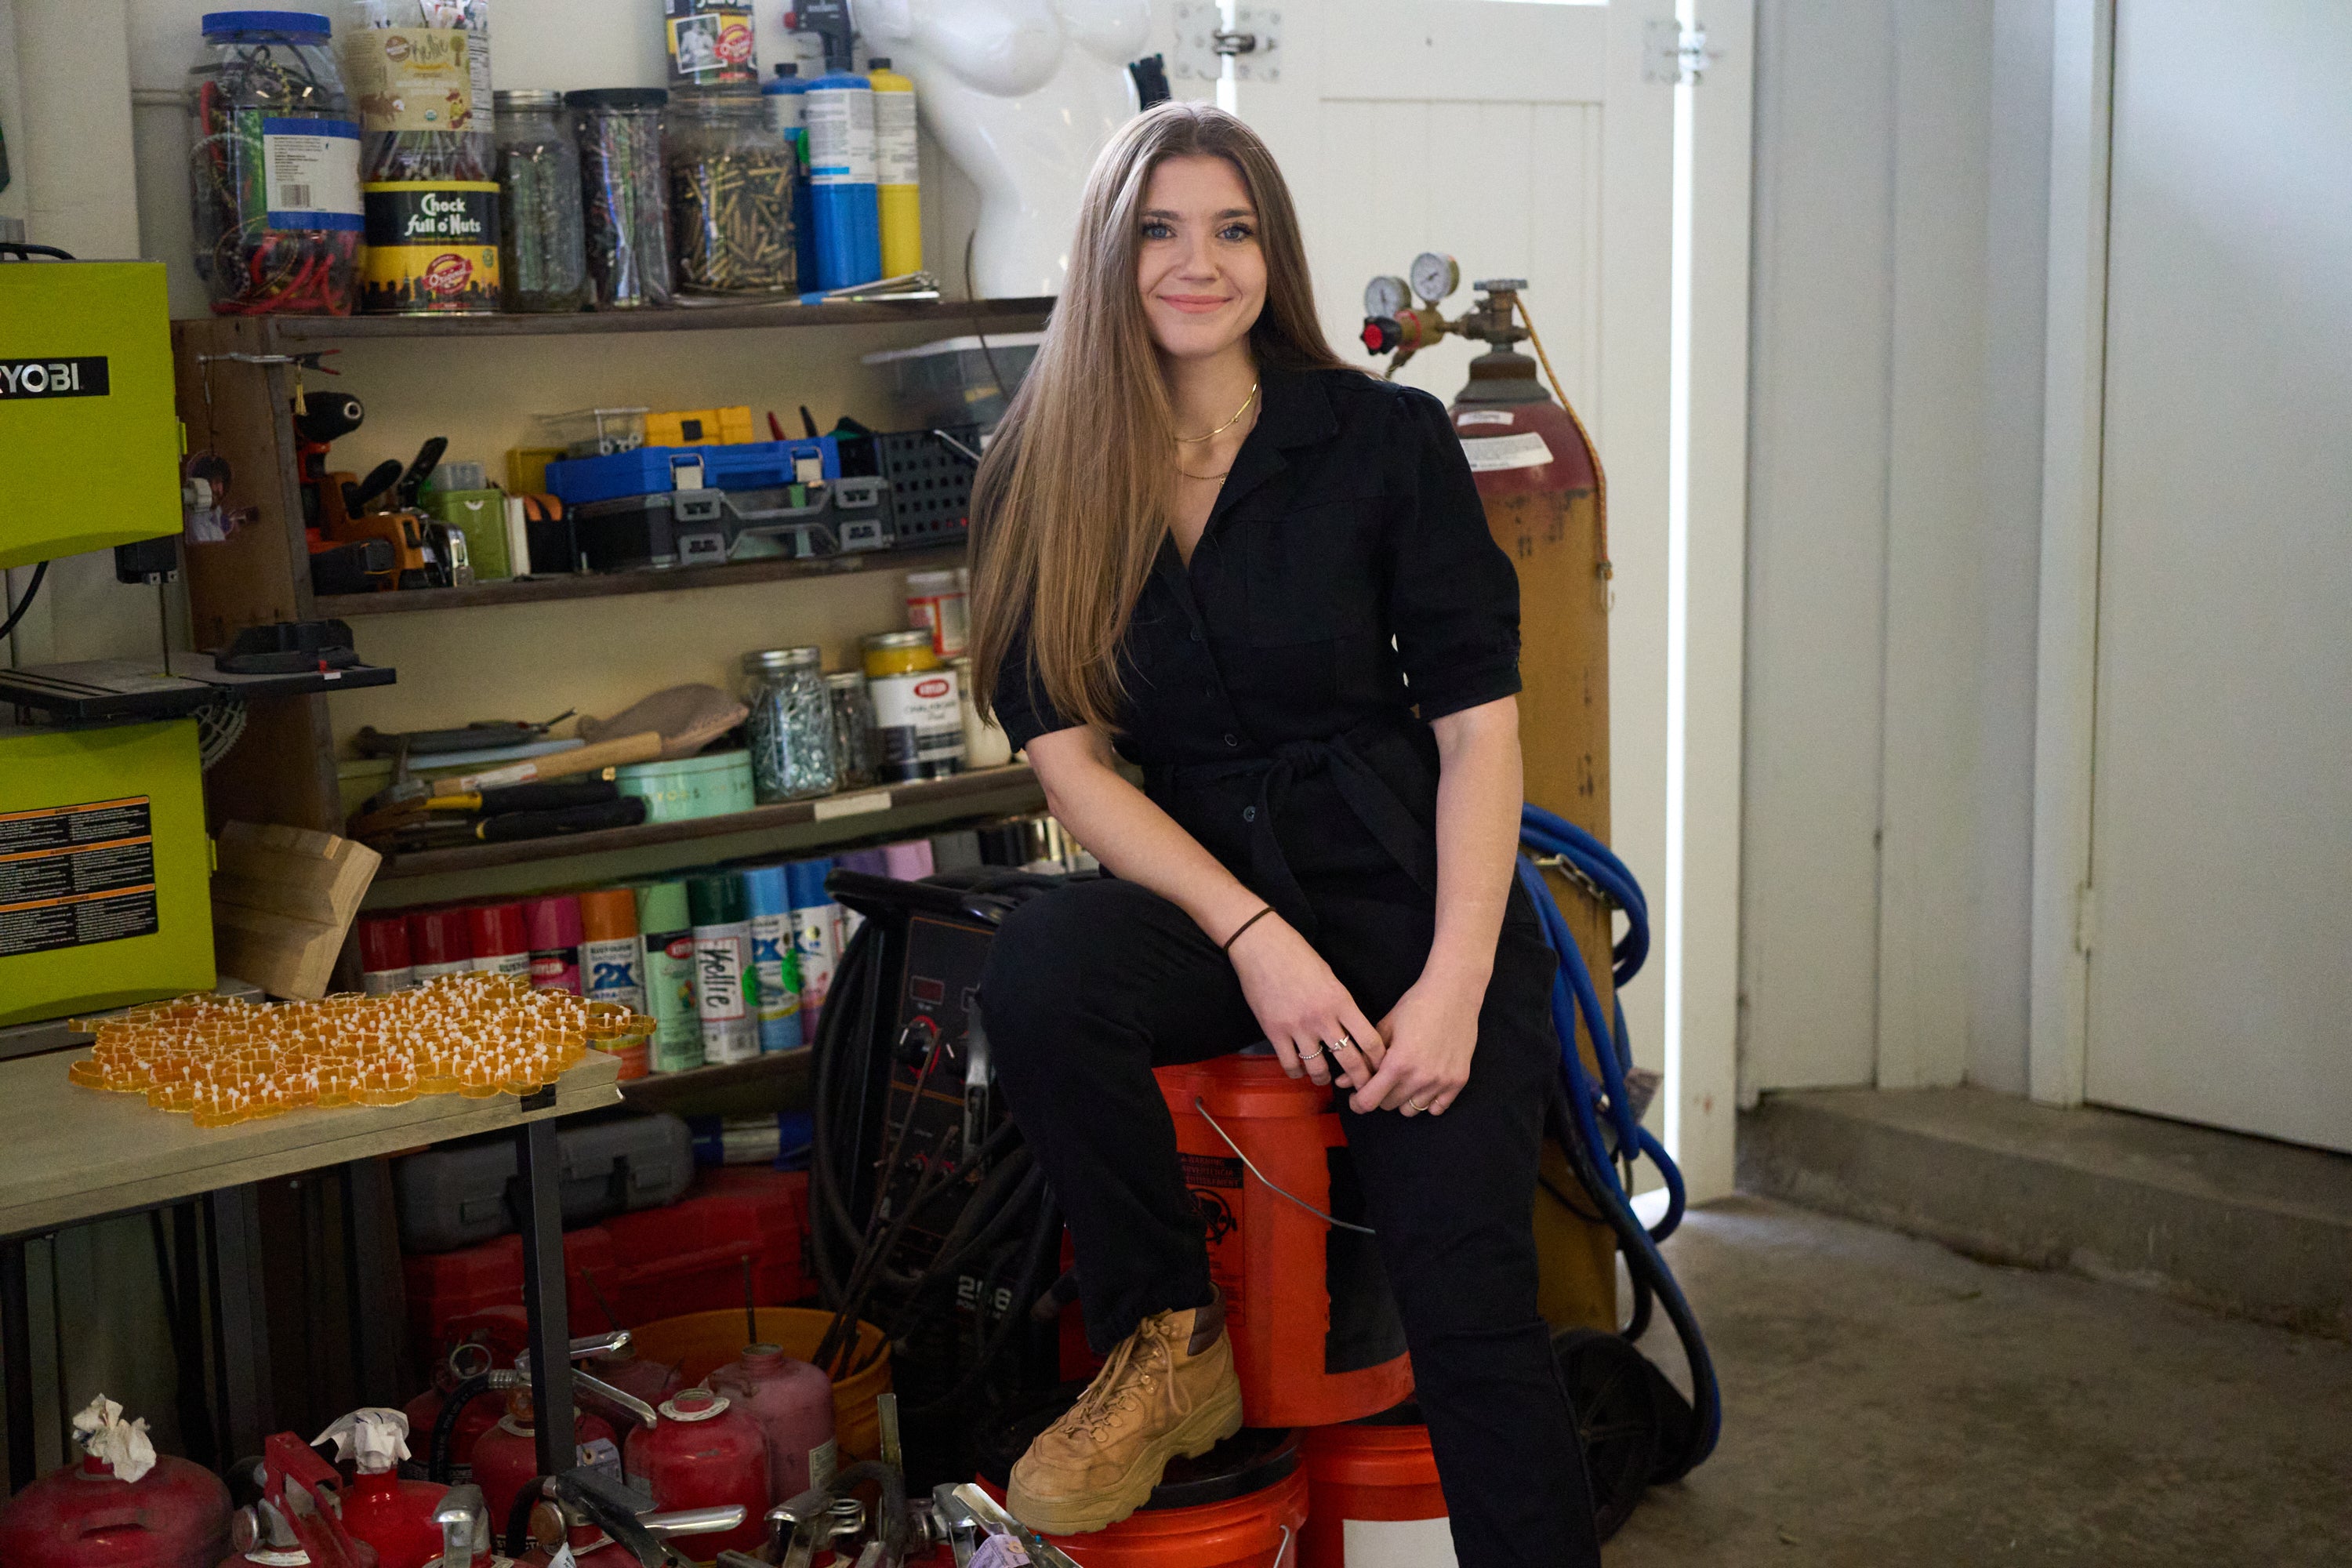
[1044,1244]
[445,1426]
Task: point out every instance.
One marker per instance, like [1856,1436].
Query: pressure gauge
[1385,296]
[1435,276]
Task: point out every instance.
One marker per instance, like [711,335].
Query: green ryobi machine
[104,865]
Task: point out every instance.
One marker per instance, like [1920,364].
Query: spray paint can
[501,940]
[612,953]
[774,957]
[554,926]
[438,944]
[670,976]
[817,934]
[899,198]
[726,988]
[383,955]
[840,117]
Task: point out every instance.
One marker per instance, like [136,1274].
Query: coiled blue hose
[1572,994]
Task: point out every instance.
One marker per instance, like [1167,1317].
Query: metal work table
[69,1154]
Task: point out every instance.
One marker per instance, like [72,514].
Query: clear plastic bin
[592,432]
[953,383]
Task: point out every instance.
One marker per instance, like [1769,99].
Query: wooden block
[283,899]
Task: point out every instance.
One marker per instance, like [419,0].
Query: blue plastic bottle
[840,118]
[786,98]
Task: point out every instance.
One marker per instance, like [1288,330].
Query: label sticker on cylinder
[1527,449]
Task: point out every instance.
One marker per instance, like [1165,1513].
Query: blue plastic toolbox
[750,465]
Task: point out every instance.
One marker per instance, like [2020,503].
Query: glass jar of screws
[730,195]
[790,727]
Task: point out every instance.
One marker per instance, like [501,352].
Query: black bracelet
[1264,911]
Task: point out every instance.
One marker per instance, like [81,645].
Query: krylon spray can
[773,959]
[670,976]
[817,934]
[726,987]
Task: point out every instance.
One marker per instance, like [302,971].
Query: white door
[1526,140]
[2221,966]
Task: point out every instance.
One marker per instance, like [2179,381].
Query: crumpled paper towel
[121,1445]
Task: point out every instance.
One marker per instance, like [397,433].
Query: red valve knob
[1382,335]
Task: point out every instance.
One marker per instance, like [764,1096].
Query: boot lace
[1126,1378]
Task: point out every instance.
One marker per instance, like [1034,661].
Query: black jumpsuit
[1274,719]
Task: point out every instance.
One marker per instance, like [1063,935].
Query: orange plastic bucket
[1315,1330]
[1381,1475]
[1256,1507]
[699,1343]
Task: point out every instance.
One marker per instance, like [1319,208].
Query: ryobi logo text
[53,378]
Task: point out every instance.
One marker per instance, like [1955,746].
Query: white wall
[1893,521]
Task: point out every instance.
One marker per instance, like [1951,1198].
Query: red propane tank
[1316,1335]
[507,1456]
[1240,1505]
[707,1454]
[175,1515]
[791,1401]
[1374,1481]
[394,1516]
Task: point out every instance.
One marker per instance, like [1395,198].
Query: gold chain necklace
[1221,429]
[1220,474]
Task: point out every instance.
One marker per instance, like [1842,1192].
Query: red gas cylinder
[1379,1474]
[275,1531]
[175,1515]
[1314,1329]
[791,1401]
[707,1454]
[476,1342]
[507,1456]
[651,1381]
[394,1516]
[1240,1505]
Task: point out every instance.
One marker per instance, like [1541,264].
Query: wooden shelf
[68,1153]
[296,331]
[609,585]
[779,1073]
[853,811]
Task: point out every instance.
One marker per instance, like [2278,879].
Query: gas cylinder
[476,1343]
[707,1454]
[507,1456]
[402,1519]
[1314,1329]
[1546,505]
[791,1401]
[305,1533]
[121,1506]
[651,1381]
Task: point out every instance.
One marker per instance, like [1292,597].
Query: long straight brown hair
[1079,486]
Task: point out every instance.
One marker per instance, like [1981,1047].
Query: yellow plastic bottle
[895,169]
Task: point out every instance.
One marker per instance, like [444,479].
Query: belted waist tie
[1367,794]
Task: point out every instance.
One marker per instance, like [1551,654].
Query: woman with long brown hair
[1206,546]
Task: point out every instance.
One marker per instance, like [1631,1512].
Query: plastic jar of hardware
[918,720]
[626,214]
[790,726]
[730,195]
[274,168]
[853,729]
[543,261]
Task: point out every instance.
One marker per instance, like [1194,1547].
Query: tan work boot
[1154,1400]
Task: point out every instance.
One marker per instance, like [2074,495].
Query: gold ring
[1345,1039]
[1416,1105]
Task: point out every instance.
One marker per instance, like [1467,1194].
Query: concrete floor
[1889,1403]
